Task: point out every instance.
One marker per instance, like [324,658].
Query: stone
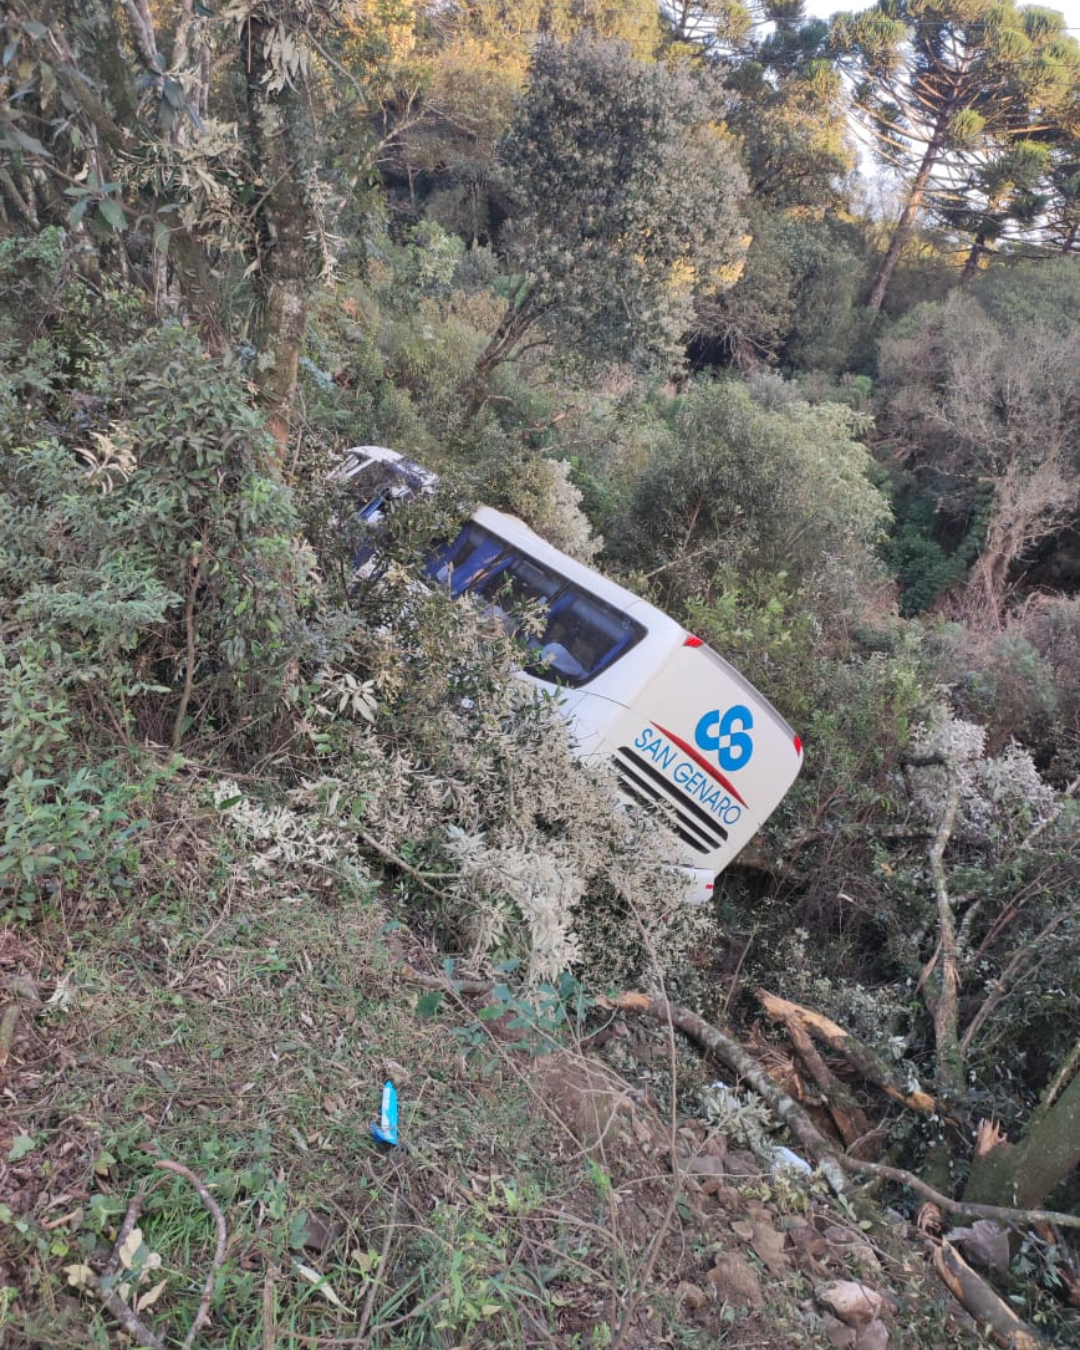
[736,1281]
[739,1163]
[838,1333]
[873,1336]
[854,1303]
[707,1165]
[688,1295]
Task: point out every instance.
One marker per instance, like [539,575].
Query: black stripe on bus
[712,826]
[649,797]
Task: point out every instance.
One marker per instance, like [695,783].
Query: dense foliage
[610,268]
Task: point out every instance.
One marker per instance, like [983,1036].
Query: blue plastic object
[386,1129]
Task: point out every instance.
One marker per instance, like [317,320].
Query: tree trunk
[974,257]
[1025,1173]
[284,219]
[906,223]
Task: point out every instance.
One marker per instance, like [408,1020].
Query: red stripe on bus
[700,760]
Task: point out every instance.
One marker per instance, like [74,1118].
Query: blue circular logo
[727,736]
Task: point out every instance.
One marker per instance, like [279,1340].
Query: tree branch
[944,1003]
[749,1070]
[203,1314]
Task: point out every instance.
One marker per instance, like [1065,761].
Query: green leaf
[29,143]
[78,211]
[427,1005]
[112,213]
[24,1144]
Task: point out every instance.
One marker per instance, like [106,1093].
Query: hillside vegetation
[273,834]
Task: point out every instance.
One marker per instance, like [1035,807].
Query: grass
[241,1021]
[244,1028]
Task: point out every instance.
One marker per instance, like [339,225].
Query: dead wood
[859,1055]
[743,1064]
[127,1317]
[203,1314]
[1015,1218]
[847,1115]
[973,1293]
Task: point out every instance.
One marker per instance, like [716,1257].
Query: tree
[942,84]
[755,480]
[277,57]
[475,58]
[796,302]
[1001,193]
[983,390]
[625,200]
[120,133]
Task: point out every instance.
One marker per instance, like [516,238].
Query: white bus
[688,736]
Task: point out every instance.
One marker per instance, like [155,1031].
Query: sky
[823,8]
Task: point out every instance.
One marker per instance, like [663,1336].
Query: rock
[736,1282]
[807,1239]
[739,1163]
[873,1336]
[768,1244]
[847,1244]
[688,1295]
[706,1165]
[838,1333]
[854,1303]
[727,1199]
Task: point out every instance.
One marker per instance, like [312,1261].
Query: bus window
[468,561]
[583,635]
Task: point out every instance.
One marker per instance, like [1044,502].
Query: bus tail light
[691,641]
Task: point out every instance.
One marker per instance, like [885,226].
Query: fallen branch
[203,1314]
[1000,1213]
[973,1293]
[832,1164]
[847,1115]
[130,1320]
[8,1022]
[448,984]
[860,1056]
[750,1071]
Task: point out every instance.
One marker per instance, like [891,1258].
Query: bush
[152,586]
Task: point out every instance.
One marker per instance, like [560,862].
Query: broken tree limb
[860,1056]
[1000,1213]
[742,1063]
[973,1293]
[847,1115]
[832,1164]
[203,1314]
